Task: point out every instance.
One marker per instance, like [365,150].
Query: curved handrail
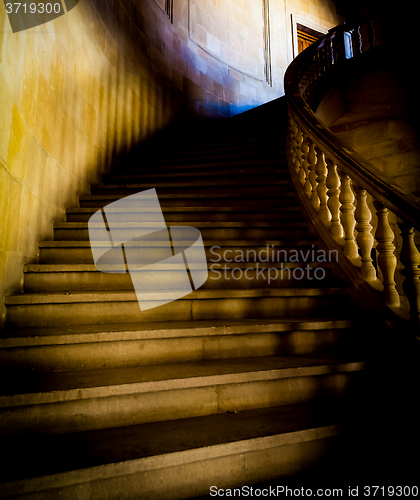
[403,204]
[337,181]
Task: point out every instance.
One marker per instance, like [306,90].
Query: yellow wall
[77,92]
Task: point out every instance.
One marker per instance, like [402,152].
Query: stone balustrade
[354,205]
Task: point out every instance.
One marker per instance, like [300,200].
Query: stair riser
[100,313]
[123,410]
[218,234]
[204,216]
[226,156]
[219,277]
[209,174]
[204,164]
[285,199]
[202,172]
[237,179]
[83,255]
[258,145]
[229,470]
[257,190]
[118,354]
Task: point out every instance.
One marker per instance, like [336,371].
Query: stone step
[53,309]
[87,347]
[78,401]
[232,167]
[184,214]
[271,198]
[259,155]
[200,184]
[212,190]
[208,163]
[255,146]
[85,277]
[126,231]
[199,174]
[174,460]
[79,252]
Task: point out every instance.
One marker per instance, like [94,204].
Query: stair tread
[91,268]
[237,208]
[207,243]
[226,172]
[122,296]
[141,224]
[159,443]
[200,183]
[136,331]
[223,193]
[263,161]
[42,388]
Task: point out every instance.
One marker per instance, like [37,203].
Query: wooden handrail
[338,181]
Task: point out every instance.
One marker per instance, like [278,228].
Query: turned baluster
[292,139]
[364,38]
[321,172]
[347,216]
[386,256]
[333,185]
[298,162]
[410,258]
[312,175]
[304,172]
[334,49]
[355,40]
[364,239]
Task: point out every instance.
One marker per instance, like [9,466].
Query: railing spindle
[410,258]
[305,166]
[347,216]
[299,156]
[386,256]
[321,172]
[312,175]
[364,239]
[292,140]
[333,185]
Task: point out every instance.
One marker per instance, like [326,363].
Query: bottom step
[172,460]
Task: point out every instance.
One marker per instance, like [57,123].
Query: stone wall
[79,91]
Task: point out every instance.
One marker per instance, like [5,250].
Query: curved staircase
[244,380]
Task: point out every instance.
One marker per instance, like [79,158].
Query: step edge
[85,297]
[207,243]
[116,335]
[91,268]
[147,464]
[7,403]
